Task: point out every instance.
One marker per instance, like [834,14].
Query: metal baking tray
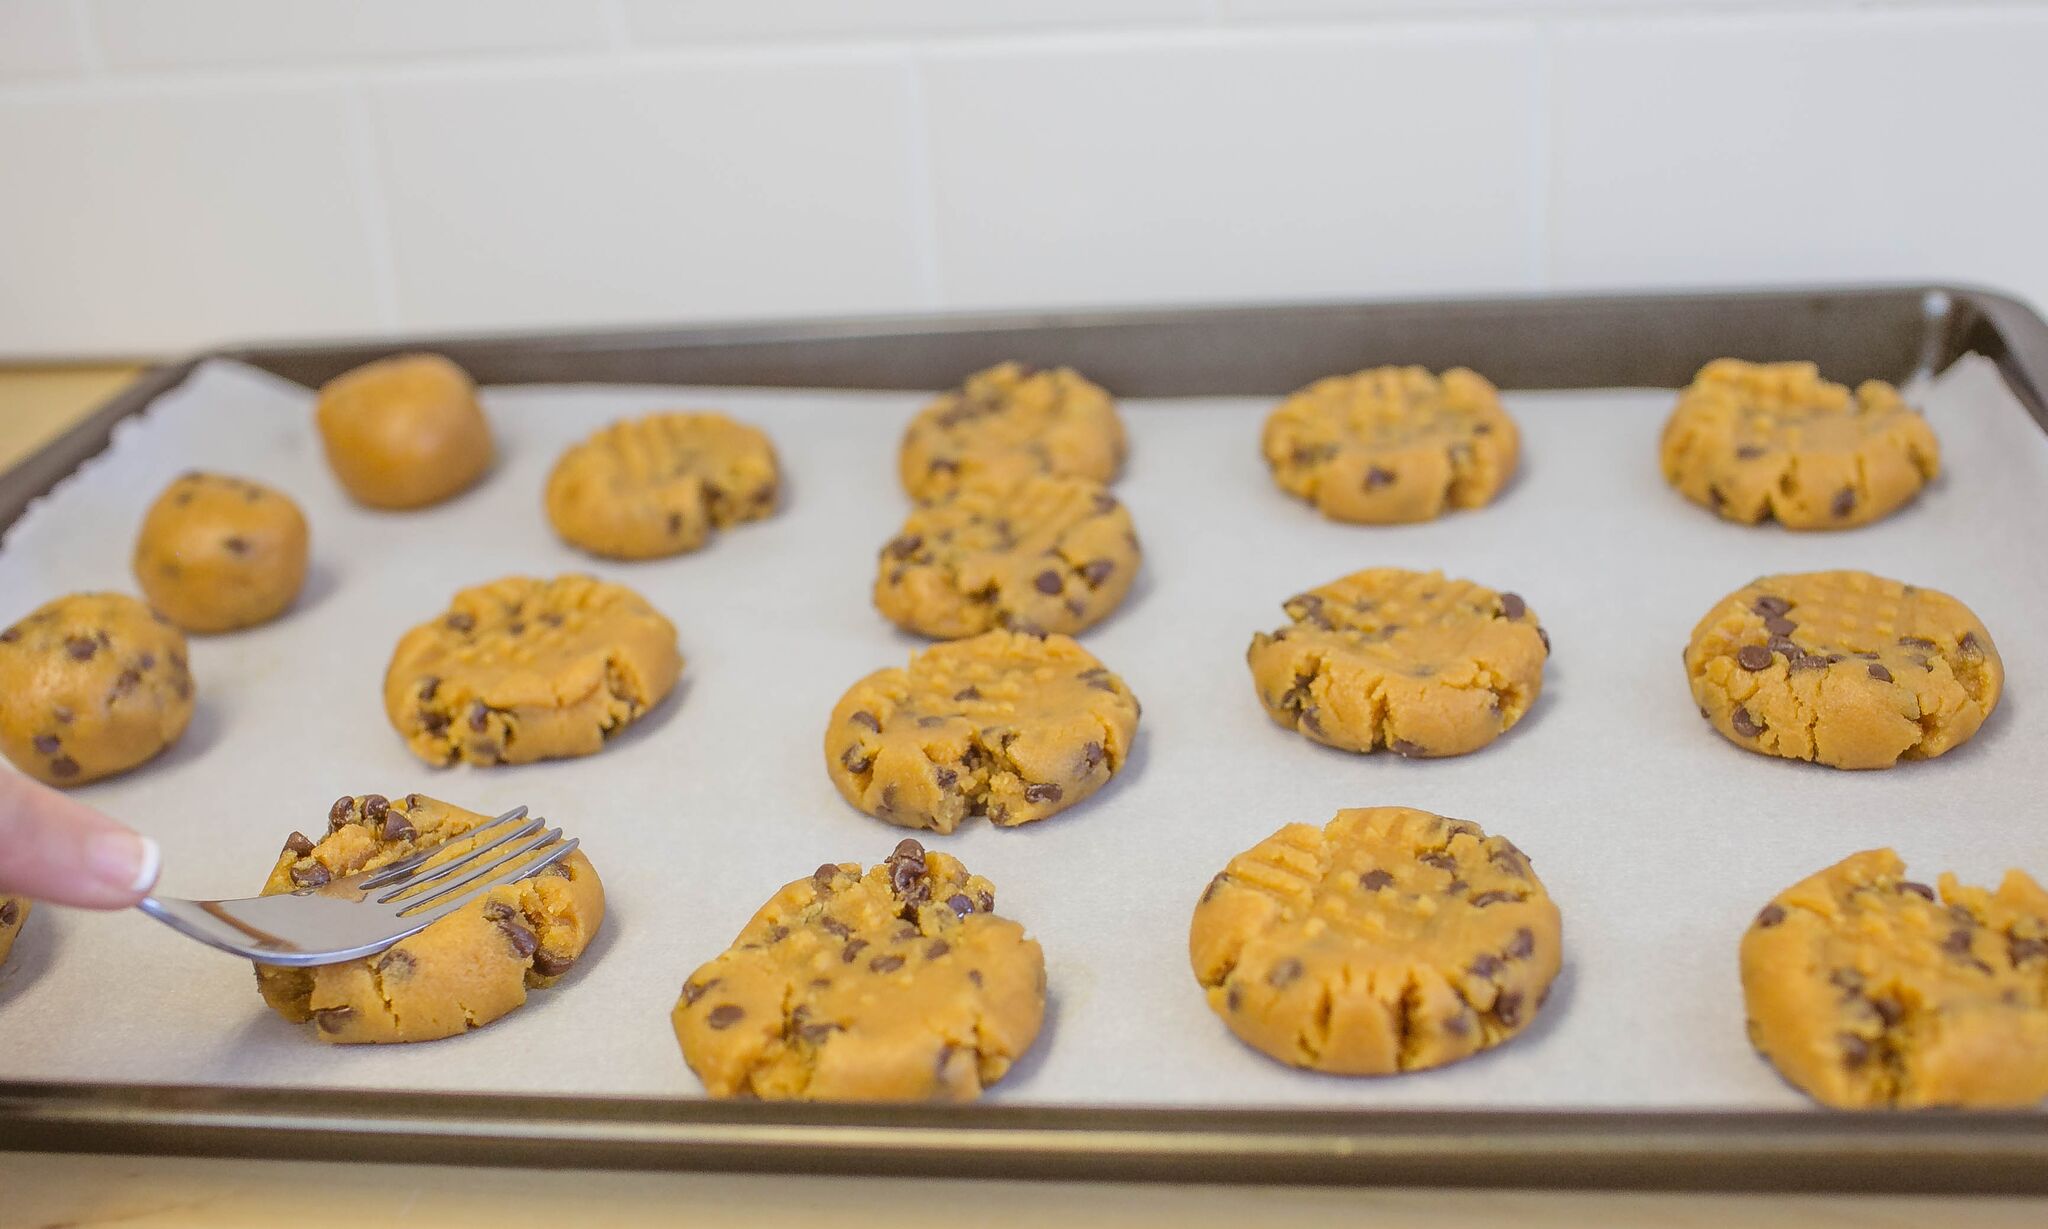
[1527,343]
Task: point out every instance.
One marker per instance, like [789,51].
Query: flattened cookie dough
[404,432]
[645,488]
[1005,725]
[1409,661]
[1034,554]
[1843,668]
[1388,940]
[897,983]
[464,971]
[1864,992]
[1773,440]
[1008,421]
[218,553]
[90,685]
[13,912]
[1393,444]
[522,669]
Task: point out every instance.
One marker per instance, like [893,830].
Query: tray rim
[1682,1149]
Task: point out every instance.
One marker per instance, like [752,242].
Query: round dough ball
[90,685]
[404,432]
[219,553]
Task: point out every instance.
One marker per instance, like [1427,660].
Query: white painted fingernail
[125,859]
[150,865]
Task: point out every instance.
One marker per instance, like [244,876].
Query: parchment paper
[1658,839]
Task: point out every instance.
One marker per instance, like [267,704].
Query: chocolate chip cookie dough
[90,685]
[1035,554]
[1009,421]
[1865,991]
[1393,444]
[649,487]
[523,669]
[1409,661]
[404,432]
[1388,940]
[218,553]
[1843,668]
[1773,440]
[897,983]
[1006,725]
[464,971]
[13,912]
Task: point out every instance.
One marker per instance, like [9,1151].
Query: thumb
[57,849]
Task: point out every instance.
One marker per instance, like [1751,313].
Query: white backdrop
[174,174]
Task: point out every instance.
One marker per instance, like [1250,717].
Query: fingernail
[125,860]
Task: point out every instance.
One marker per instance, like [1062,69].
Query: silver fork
[362,914]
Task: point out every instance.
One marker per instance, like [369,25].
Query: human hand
[57,849]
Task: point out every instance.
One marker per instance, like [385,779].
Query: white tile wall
[188,173]
[39,38]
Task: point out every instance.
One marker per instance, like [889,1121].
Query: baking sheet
[1658,839]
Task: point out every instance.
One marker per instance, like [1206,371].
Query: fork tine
[444,869]
[456,895]
[405,866]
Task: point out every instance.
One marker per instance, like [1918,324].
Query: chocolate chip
[1855,1050]
[1234,998]
[1375,880]
[479,716]
[959,904]
[10,636]
[1771,604]
[341,812]
[1508,1007]
[1286,973]
[63,767]
[909,847]
[725,1015]
[333,1019]
[1375,478]
[692,991]
[851,952]
[1091,755]
[81,648]
[1968,643]
[855,760]
[968,693]
[524,941]
[903,547]
[461,622]
[1484,899]
[1807,661]
[375,807]
[312,876]
[47,744]
[1485,966]
[235,544]
[1879,673]
[552,964]
[2018,950]
[1523,946]
[824,874]
[1105,503]
[298,844]
[398,828]
[1770,915]
[1402,746]
[1512,605]
[433,723]
[1047,582]
[815,1034]
[9,911]
[1779,625]
[1743,723]
[1749,452]
[866,718]
[1916,642]
[945,777]
[1917,889]
[1753,657]
[497,911]
[396,963]
[885,964]
[1844,502]
[1544,637]
[146,662]
[1043,791]
[1957,943]
[985,901]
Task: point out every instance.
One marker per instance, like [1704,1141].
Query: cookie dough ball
[1010,421]
[404,432]
[897,983]
[1773,440]
[464,971]
[13,912]
[655,486]
[1864,992]
[1033,554]
[522,669]
[219,553]
[1388,940]
[1393,444]
[1005,725]
[1409,661]
[90,685]
[1844,669]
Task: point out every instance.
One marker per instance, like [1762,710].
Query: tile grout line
[373,202]
[922,190]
